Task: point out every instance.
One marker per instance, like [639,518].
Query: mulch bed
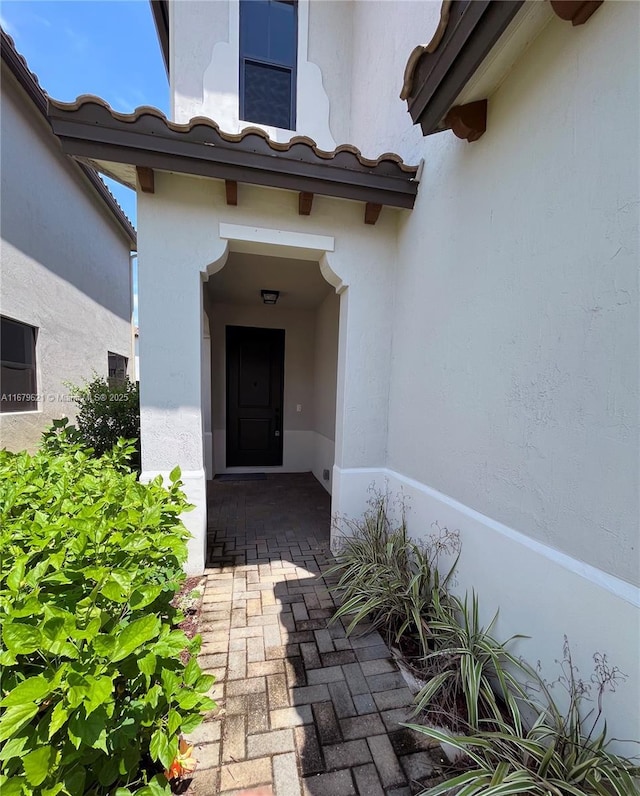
[191,607]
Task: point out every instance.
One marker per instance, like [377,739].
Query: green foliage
[107,413]
[560,754]
[94,693]
[389,580]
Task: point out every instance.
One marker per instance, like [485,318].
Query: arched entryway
[270,370]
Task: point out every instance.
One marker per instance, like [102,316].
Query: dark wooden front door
[255,386]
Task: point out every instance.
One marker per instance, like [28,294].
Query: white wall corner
[194,487]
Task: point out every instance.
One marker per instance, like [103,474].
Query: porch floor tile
[300,709]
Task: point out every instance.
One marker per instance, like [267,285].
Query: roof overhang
[130,147]
[448,81]
[160,11]
[18,67]
[437,74]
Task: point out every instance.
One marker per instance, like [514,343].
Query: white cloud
[8,27]
[79,42]
[41,20]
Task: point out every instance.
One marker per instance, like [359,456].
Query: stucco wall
[181,240]
[517,272]
[65,266]
[513,406]
[196,28]
[205,72]
[331,49]
[488,347]
[385,33]
[325,383]
[325,365]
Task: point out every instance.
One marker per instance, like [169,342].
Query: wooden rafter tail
[575,11]
[469,121]
[146,179]
[231,191]
[371,212]
[305,203]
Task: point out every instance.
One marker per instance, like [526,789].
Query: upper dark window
[268,52]
[18,376]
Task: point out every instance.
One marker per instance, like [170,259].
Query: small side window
[117,368]
[18,386]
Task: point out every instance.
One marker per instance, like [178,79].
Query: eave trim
[160,12]
[436,77]
[89,129]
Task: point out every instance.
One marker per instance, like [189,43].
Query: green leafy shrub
[107,413]
[95,695]
[389,580]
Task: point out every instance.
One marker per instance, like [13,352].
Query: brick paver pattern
[302,709]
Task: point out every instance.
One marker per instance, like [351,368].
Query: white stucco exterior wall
[488,347]
[513,406]
[65,267]
[205,72]
[179,239]
[325,385]
[331,49]
[522,400]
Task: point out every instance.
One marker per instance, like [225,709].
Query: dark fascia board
[473,29]
[89,129]
[28,82]
[160,11]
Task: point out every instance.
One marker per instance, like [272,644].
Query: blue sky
[103,47]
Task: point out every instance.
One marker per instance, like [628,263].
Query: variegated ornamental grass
[512,736]
[559,753]
[540,761]
[95,697]
[389,580]
[473,679]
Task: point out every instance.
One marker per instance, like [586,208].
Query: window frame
[269,62]
[21,407]
[116,380]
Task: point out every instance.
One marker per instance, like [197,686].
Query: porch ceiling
[129,147]
[299,282]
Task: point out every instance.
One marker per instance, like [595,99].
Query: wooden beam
[468,121]
[305,202]
[231,189]
[575,11]
[146,179]
[371,212]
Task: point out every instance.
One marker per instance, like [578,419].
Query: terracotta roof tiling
[437,73]
[207,131]
[90,129]
[28,80]
[420,50]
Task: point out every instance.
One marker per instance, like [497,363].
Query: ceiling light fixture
[270,296]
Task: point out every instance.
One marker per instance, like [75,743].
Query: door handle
[277,423]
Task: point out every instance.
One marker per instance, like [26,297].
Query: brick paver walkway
[303,710]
